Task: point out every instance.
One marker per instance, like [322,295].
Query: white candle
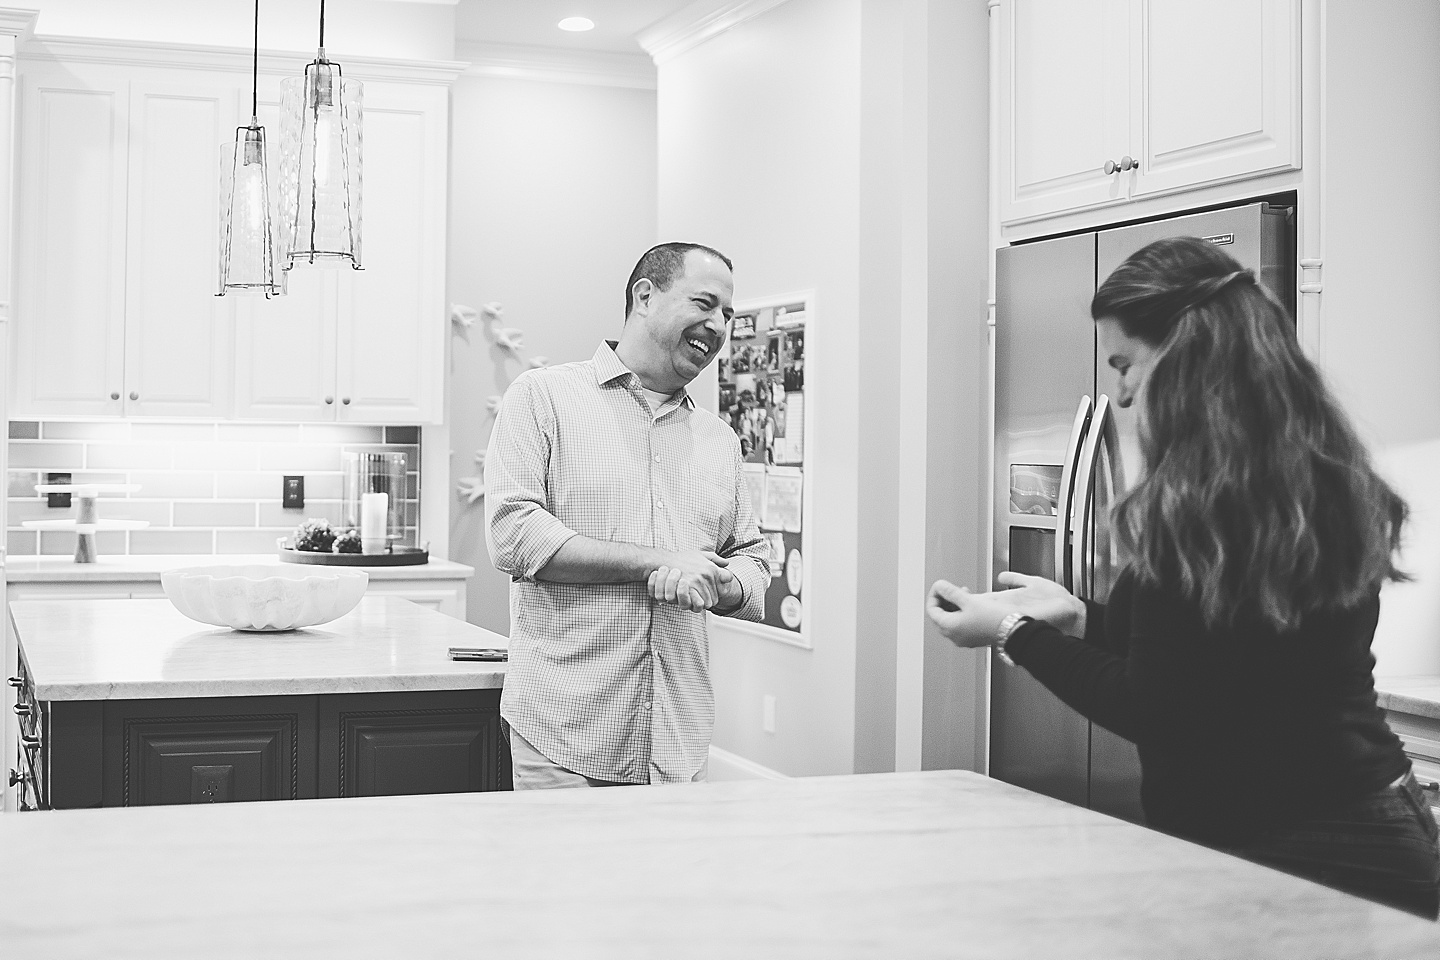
[373,507]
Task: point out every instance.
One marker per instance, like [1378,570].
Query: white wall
[552,200]
[1381,311]
[808,146]
[759,157]
[368,28]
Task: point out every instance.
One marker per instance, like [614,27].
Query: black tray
[398,557]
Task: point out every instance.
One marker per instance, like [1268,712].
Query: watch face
[794,572]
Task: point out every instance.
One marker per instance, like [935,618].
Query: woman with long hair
[1234,648]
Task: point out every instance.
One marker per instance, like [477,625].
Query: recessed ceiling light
[577,24]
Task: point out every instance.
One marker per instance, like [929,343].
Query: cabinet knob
[1127,164]
[134,395]
[16,682]
[15,776]
[1121,165]
[345,400]
[29,741]
[24,709]
[115,395]
[329,399]
[1430,786]
[1110,167]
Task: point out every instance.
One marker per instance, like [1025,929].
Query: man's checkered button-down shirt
[603,680]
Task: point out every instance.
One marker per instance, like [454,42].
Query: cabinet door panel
[70,295]
[285,351]
[177,331]
[285,346]
[1221,91]
[411,743]
[392,314]
[1064,104]
[208,750]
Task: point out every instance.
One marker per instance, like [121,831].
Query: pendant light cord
[255,68]
[322,24]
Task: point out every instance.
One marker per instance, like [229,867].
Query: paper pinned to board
[783,487]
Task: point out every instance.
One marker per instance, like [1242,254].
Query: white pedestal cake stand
[85,522]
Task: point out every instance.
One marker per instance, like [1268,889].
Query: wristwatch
[1008,626]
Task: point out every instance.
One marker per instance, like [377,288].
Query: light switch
[294,496]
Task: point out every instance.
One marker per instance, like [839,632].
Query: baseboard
[725,765]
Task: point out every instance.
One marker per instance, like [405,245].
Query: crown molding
[692,25]
[17,22]
[134,53]
[591,67]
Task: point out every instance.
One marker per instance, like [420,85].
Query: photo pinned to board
[761,373]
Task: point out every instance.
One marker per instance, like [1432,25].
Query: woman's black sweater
[1239,730]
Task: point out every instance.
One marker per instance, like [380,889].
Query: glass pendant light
[248,254]
[320,116]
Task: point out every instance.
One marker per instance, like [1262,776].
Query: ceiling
[532,22]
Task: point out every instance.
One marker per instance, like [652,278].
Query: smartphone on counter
[479,653]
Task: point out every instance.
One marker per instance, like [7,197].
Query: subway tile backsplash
[204,487]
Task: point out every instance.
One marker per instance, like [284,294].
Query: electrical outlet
[293,497]
[57,499]
[767,718]
[211,783]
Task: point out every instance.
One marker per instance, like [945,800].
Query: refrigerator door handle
[1067,491]
[1106,553]
[1080,541]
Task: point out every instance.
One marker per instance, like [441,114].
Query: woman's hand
[967,619]
[972,619]
[1044,600]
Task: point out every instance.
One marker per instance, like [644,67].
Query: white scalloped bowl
[261,597]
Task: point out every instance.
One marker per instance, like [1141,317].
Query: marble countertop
[138,649]
[1418,695]
[133,568]
[897,865]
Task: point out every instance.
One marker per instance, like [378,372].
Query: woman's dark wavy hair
[1258,497]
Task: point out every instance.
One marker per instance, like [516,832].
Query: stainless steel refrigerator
[1063,453]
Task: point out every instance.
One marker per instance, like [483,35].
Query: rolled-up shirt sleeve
[520,531]
[750,549]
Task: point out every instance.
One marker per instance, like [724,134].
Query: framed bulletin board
[761,378]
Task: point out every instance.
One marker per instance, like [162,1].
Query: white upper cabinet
[1064,104]
[1102,101]
[1221,91]
[285,351]
[117,240]
[393,321]
[69,312]
[177,332]
[365,346]
[115,305]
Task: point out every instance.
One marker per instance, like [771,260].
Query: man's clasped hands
[695,580]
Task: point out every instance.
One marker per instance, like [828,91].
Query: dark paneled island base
[129,753]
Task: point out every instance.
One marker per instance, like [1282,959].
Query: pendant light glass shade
[320,166]
[248,254]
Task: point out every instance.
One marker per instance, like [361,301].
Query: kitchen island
[1412,708]
[130,703]
[896,866]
